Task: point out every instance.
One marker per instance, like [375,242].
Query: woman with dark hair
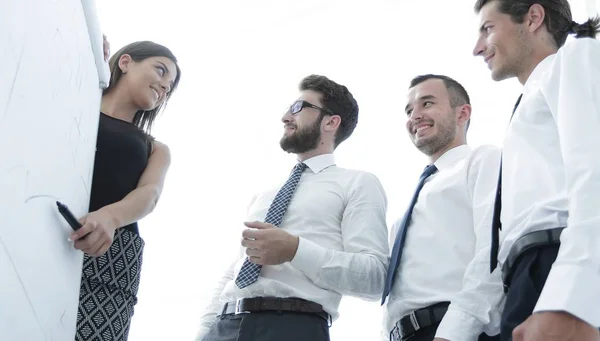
[129,172]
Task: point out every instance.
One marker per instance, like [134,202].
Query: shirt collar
[452,156]
[537,74]
[320,162]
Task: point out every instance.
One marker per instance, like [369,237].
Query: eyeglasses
[297,106]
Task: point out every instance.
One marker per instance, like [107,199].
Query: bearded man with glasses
[313,238]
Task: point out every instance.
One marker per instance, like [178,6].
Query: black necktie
[401,235]
[496,223]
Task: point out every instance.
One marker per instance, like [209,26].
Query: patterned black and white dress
[109,283]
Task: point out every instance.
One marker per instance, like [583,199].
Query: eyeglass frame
[304,104]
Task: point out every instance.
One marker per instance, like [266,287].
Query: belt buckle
[238,304]
[395,334]
[413,320]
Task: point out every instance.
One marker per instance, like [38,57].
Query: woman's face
[147,81]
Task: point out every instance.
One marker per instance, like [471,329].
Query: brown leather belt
[270,304]
[527,242]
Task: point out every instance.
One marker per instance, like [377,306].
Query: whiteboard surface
[49,103]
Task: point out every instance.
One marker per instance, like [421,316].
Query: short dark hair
[456,92]
[139,51]
[337,99]
[558,19]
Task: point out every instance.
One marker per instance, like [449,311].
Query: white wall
[49,103]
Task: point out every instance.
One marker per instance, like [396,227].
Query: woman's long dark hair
[139,51]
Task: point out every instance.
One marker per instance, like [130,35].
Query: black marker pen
[69,217]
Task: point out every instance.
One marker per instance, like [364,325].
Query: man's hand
[97,233]
[268,245]
[555,326]
[106,47]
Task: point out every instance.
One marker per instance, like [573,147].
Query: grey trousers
[269,326]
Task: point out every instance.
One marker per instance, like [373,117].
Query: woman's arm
[99,226]
[142,200]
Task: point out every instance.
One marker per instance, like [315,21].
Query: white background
[241,61]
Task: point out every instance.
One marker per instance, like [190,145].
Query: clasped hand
[267,244]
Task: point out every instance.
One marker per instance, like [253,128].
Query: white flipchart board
[50,88]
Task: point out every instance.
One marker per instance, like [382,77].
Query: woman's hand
[105,47]
[97,233]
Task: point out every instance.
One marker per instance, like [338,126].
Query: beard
[445,135]
[302,140]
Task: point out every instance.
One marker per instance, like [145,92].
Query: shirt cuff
[309,258]
[573,289]
[458,325]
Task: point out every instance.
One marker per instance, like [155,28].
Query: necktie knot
[300,167]
[430,169]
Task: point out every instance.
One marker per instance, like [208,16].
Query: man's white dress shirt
[551,174]
[339,215]
[446,253]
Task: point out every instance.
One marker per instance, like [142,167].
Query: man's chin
[421,143]
[286,148]
[425,147]
[294,150]
[500,75]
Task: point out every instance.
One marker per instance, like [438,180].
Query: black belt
[418,319]
[525,243]
[269,304]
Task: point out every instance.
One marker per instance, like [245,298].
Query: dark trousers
[269,326]
[528,279]
[428,334]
